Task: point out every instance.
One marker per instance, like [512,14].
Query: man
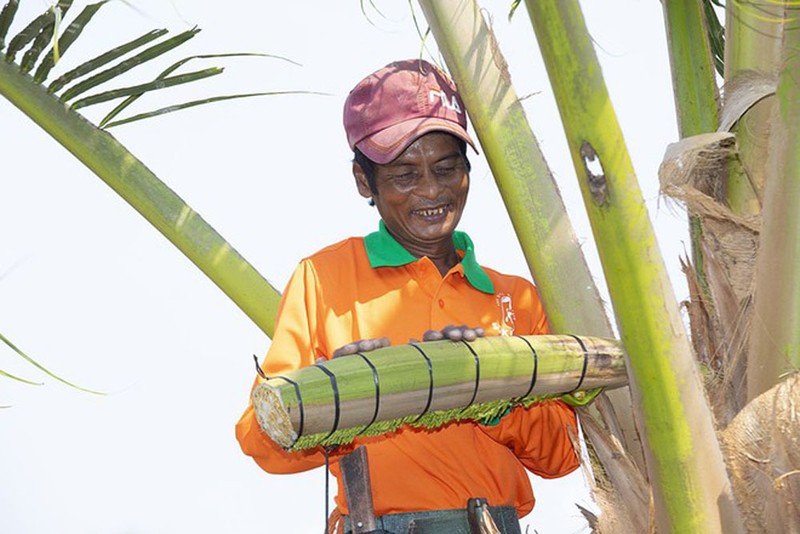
[416,276]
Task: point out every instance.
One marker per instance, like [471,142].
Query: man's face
[422,193]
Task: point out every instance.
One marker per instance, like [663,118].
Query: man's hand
[363,345]
[451,332]
[454,333]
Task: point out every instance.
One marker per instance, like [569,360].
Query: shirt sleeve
[294,345]
[541,437]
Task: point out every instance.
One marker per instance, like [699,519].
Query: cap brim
[384,146]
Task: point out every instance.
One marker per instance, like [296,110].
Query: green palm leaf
[72,32]
[13,377]
[146,55]
[36,27]
[103,59]
[41,40]
[6,17]
[178,107]
[172,68]
[42,368]
[145,87]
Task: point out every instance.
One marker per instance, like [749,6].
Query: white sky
[95,293]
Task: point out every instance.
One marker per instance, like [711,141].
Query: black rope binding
[258,368]
[430,384]
[535,366]
[377,392]
[585,362]
[477,373]
[335,388]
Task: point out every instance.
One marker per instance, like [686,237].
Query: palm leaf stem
[690,485]
[132,180]
[693,82]
[753,43]
[696,94]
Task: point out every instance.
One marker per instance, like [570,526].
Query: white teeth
[432,212]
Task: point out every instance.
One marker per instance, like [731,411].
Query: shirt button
[441,303]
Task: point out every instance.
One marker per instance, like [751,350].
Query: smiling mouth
[432,212]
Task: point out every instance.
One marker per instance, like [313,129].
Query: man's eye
[404,178]
[445,171]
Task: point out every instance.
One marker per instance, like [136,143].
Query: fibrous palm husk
[692,172]
[618,486]
[762,445]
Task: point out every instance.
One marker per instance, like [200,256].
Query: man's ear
[361,181]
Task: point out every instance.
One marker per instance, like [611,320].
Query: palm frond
[145,87]
[33,29]
[104,59]
[716,36]
[126,65]
[42,368]
[178,107]
[42,38]
[6,18]
[172,68]
[23,380]
[63,43]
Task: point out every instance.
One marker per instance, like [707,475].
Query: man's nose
[428,185]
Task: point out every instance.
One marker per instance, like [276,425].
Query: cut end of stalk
[272,415]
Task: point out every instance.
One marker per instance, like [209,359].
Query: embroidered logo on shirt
[504,327]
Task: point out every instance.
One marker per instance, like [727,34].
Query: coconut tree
[669,404]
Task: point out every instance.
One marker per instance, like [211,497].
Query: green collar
[383,250]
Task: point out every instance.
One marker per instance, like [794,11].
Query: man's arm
[294,345]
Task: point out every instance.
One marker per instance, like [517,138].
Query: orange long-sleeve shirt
[364,288]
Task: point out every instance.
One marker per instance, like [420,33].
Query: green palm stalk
[696,93]
[691,489]
[753,45]
[695,88]
[775,342]
[529,192]
[107,158]
[133,181]
[430,384]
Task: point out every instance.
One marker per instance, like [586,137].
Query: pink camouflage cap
[389,109]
